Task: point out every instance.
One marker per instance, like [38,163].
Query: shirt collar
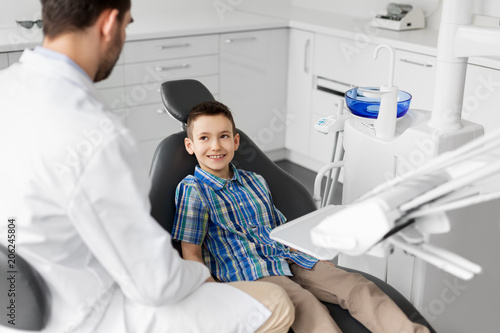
[215,182]
[59,56]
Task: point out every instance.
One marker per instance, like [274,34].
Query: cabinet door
[416,74]
[253,83]
[149,122]
[300,86]
[4,63]
[169,48]
[148,73]
[482,97]
[350,62]
[148,63]
[14,57]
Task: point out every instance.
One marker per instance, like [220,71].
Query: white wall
[352,7]
[30,9]
[19,10]
[263,6]
[431,8]
[142,8]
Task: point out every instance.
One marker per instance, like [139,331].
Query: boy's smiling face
[213,143]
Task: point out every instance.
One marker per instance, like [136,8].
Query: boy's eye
[203,138]
[224,136]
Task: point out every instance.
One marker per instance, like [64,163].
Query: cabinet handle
[172,46]
[416,63]
[164,69]
[161,111]
[241,39]
[307,53]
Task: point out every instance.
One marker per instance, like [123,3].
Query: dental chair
[31,298]
[171,163]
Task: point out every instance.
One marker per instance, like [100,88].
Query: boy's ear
[236,141]
[188,144]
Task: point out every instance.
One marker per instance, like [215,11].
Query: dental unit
[388,204]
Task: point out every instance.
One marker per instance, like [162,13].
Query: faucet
[385,125]
[458,40]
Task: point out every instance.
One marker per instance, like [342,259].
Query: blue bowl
[368,107]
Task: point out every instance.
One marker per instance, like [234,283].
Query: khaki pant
[275,299]
[325,282]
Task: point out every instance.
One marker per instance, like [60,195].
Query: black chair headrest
[187,94]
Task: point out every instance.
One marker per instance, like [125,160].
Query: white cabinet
[170,48]
[300,85]
[14,57]
[306,104]
[415,73]
[482,96]
[145,66]
[4,62]
[253,83]
[8,58]
[350,62]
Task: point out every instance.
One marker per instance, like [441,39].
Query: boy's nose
[215,145]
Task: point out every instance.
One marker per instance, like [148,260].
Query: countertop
[175,24]
[358,29]
[14,38]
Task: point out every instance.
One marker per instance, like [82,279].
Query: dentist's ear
[187,144]
[109,22]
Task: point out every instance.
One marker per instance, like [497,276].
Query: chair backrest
[24,296]
[171,162]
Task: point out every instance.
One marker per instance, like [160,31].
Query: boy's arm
[193,252]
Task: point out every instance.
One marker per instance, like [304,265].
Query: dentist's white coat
[70,175]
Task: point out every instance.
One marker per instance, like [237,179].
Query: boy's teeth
[216,156]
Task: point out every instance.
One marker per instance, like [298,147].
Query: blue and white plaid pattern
[232,220]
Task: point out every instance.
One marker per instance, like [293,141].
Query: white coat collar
[40,63]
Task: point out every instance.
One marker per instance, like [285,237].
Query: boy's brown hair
[209,108]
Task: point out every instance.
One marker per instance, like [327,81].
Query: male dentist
[71,182]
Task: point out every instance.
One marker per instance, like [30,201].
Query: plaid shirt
[231,220]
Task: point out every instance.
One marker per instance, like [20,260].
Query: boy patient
[224,217]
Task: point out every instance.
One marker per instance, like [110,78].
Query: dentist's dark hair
[61,16]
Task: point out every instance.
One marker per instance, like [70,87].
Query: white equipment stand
[421,136]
